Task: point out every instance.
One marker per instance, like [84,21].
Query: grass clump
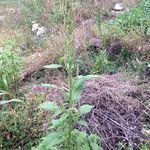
[10,66]
[103,64]
[21,124]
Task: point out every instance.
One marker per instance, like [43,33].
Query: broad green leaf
[78,89]
[88,77]
[53,66]
[57,112]
[79,85]
[50,85]
[49,106]
[9,101]
[82,122]
[58,122]
[51,140]
[96,146]
[86,145]
[85,109]
[82,136]
[55,142]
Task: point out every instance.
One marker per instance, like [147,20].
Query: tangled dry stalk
[117,112]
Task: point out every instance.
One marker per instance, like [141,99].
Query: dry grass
[117,111]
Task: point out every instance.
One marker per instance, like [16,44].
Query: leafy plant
[10,66]
[103,64]
[137,16]
[63,133]
[21,124]
[64,118]
[32,10]
[136,67]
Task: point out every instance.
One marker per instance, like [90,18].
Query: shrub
[103,64]
[21,123]
[136,67]
[10,66]
[137,16]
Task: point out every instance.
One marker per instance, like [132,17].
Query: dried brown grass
[117,111]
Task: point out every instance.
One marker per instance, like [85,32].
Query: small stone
[33,22]
[35,27]
[119,7]
[2,18]
[41,31]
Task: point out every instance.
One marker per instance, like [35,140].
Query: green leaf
[53,66]
[55,142]
[85,109]
[79,85]
[96,146]
[88,77]
[9,101]
[49,106]
[78,89]
[86,145]
[58,122]
[5,81]
[82,122]
[51,140]
[50,85]
[57,112]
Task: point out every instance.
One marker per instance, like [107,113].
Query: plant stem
[69,59]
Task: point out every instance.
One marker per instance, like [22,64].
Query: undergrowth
[10,67]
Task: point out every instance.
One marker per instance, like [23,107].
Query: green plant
[137,16]
[103,64]
[145,146]
[21,123]
[10,66]
[136,67]
[32,10]
[64,118]
[63,133]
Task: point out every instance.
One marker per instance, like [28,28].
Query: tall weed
[10,66]
[63,131]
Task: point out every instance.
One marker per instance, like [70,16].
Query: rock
[35,27]
[2,18]
[119,6]
[41,31]
[33,22]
